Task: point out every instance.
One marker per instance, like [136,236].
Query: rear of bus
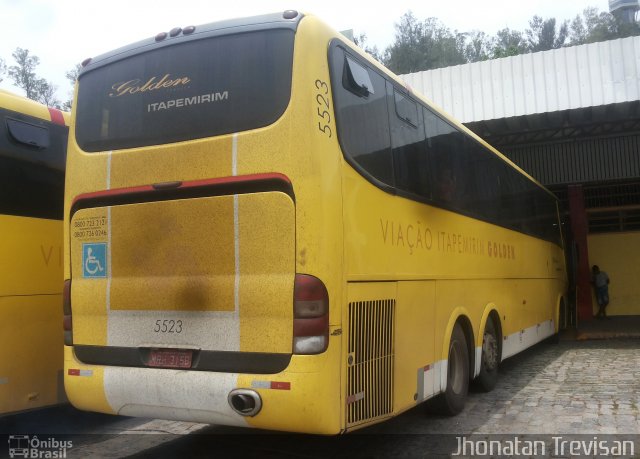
[33,142]
[203,243]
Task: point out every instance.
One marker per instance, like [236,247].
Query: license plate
[170,358]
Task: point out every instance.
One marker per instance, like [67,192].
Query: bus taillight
[311,315]
[67,324]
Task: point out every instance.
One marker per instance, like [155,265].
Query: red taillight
[311,315]
[67,323]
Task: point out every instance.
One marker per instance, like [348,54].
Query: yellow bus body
[31,341]
[415,268]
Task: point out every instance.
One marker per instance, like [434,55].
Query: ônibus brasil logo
[33,447]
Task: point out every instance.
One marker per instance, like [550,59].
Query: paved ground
[590,387]
[612,327]
[576,387]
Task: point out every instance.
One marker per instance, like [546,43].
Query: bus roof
[20,104]
[288,20]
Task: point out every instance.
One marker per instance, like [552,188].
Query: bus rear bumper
[300,402]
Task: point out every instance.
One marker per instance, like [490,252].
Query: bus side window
[355,78]
[446,161]
[485,187]
[362,116]
[32,166]
[407,142]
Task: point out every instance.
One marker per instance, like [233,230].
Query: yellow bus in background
[33,143]
[264,227]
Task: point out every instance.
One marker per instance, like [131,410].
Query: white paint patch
[108,184]
[523,339]
[260,384]
[236,232]
[234,155]
[108,294]
[195,396]
[236,249]
[432,379]
[213,330]
[108,288]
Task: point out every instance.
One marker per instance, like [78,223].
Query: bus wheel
[562,324]
[490,360]
[452,400]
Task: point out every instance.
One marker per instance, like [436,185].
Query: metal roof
[562,79]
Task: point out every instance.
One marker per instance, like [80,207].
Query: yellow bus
[33,143]
[264,227]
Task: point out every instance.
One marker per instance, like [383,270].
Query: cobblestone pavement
[575,387]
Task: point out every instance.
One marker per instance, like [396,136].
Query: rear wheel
[452,400]
[562,324]
[490,359]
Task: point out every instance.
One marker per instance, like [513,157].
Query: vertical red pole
[580,228]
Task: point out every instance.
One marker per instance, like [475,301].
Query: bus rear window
[190,90]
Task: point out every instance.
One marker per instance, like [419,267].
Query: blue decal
[94,260]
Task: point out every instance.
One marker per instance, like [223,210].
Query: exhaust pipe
[245,402]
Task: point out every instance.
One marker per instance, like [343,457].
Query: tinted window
[189,90]
[406,108]
[431,159]
[32,162]
[448,174]
[356,79]
[486,182]
[362,119]
[411,164]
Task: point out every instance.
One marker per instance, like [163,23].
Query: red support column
[580,228]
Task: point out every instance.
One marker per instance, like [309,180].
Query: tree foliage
[361,41]
[72,77]
[423,45]
[47,94]
[23,72]
[543,35]
[23,75]
[595,26]
[3,69]
[477,46]
[507,43]
[429,44]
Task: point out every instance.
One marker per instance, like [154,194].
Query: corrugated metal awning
[563,79]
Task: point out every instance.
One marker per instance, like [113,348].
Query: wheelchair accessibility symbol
[94,260]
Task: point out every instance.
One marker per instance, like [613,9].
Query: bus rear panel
[196,292]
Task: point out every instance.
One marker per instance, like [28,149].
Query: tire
[489,360]
[562,320]
[453,399]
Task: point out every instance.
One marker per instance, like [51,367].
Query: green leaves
[429,44]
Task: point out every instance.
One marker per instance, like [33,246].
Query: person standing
[600,281]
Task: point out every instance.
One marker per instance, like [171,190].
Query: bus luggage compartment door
[207,273]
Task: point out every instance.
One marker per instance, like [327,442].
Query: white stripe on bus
[108,267]
[199,396]
[523,339]
[214,330]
